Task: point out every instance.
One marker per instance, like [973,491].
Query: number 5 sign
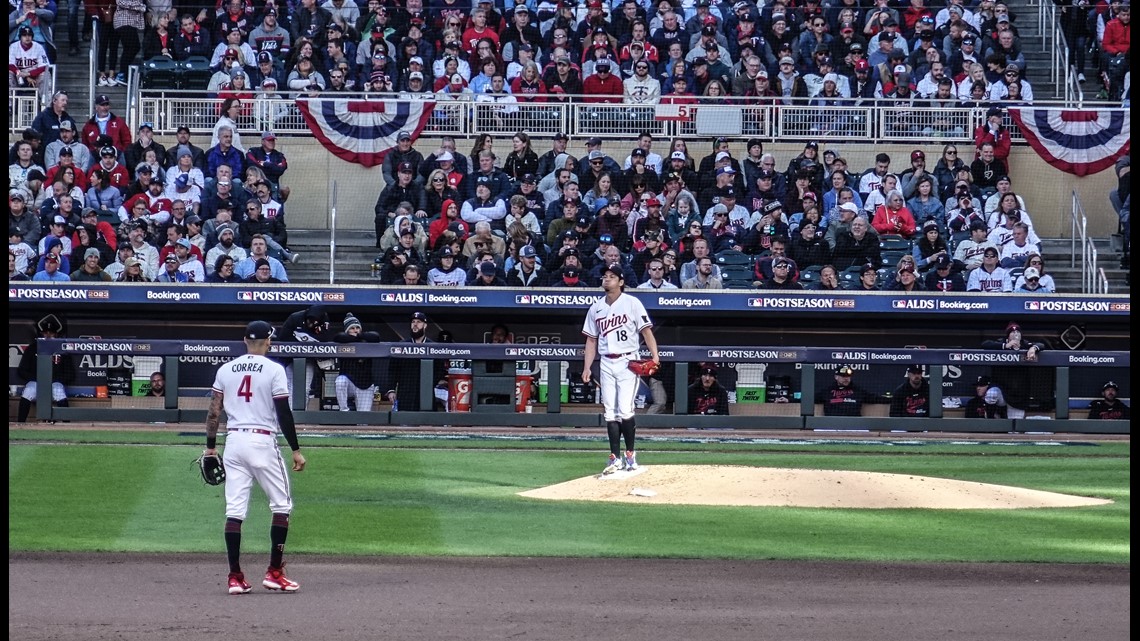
[674,112]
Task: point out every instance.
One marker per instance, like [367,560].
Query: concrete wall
[313,172]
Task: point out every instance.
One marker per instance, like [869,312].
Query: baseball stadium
[844,356]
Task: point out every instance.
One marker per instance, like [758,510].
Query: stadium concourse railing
[23,106]
[821,359]
[1083,248]
[871,121]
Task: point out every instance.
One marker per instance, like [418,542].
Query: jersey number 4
[245,390]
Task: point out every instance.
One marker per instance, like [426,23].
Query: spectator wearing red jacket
[105,123]
[893,217]
[603,86]
[992,130]
[1117,33]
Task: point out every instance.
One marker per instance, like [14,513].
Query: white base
[622,475]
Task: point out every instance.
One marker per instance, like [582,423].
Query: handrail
[134,79]
[93,66]
[1062,73]
[1093,279]
[22,108]
[870,121]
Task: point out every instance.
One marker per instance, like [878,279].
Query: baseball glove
[644,367]
[213,472]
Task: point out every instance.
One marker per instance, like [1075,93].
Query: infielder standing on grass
[255,395]
[613,329]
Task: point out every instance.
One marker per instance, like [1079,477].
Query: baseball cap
[725,170]
[25,30]
[258,330]
[108,151]
[781,262]
[582,221]
[606,239]
[847,27]
[917,155]
[51,258]
[268,135]
[571,272]
[17,194]
[1003,179]
[653,202]
[403,135]
[867,268]
[561,136]
[171,258]
[709,370]
[844,370]
[862,65]
[593,142]
[66,151]
[968,40]
[990,251]
[615,269]
[415,75]
[810,194]
[638,152]
[183,180]
[906,268]
[596,155]
[102,99]
[423,317]
[131,262]
[530,179]
[1111,384]
[1031,272]
[528,251]
[1012,68]
[265,56]
[408,232]
[913,369]
[602,64]
[931,224]
[1013,325]
[405,166]
[982,380]
[570,233]
[900,69]
[943,262]
[849,207]
[487,269]
[773,206]
[886,35]
[787,60]
[91,251]
[59,220]
[677,155]
[182,242]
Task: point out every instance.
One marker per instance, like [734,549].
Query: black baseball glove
[213,472]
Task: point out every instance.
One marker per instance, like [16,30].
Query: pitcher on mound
[613,329]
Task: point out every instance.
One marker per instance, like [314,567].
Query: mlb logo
[714,353]
[512,351]
[12,293]
[1033,305]
[898,304]
[755,302]
[522,300]
[245,295]
[955,357]
[68,346]
[836,356]
[387,298]
[397,350]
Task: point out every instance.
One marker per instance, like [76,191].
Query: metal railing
[23,106]
[1061,72]
[93,67]
[870,121]
[1093,279]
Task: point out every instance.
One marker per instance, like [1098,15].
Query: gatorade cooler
[459,390]
[522,391]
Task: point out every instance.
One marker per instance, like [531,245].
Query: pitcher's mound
[769,486]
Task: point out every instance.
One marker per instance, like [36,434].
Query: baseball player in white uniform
[255,395]
[613,329]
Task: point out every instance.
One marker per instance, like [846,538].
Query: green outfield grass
[140,492]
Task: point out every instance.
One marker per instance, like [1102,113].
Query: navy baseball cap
[419,316]
[258,330]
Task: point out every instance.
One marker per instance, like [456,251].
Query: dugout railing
[1054,369]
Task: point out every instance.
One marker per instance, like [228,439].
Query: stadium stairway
[73,76]
[1037,56]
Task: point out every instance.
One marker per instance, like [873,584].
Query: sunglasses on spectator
[437,180]
[951,152]
[656,269]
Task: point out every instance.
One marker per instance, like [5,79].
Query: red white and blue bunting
[362,131]
[1077,141]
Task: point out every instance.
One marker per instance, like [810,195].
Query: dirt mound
[767,486]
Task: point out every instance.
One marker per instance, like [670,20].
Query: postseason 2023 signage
[440,300]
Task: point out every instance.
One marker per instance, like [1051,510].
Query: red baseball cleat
[238,584]
[275,579]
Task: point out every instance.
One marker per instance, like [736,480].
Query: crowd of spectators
[684,219]
[93,201]
[528,52]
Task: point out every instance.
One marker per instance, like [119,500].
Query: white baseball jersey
[31,59]
[617,327]
[250,383]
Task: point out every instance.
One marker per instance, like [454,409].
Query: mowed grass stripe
[76,498]
[365,501]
